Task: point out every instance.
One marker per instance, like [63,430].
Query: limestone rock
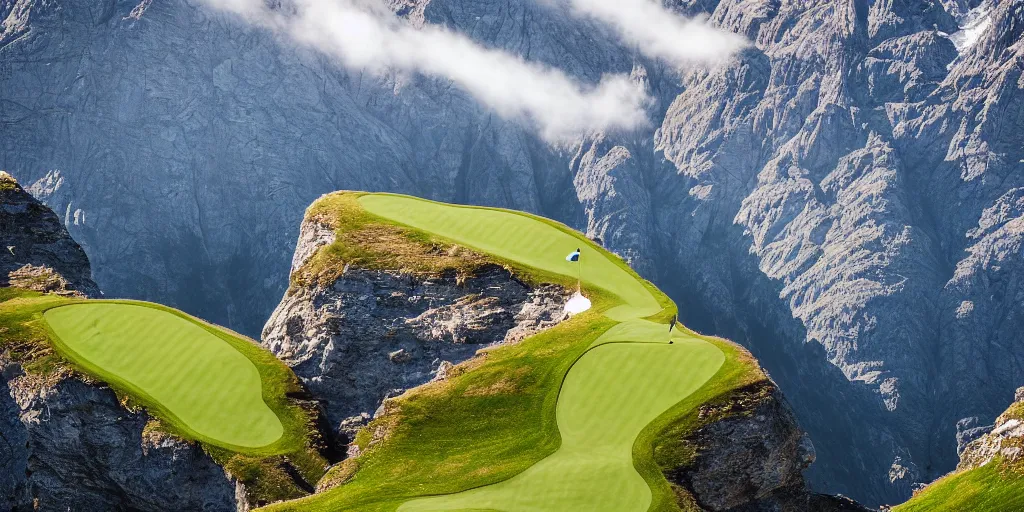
[74,447]
[752,459]
[1004,439]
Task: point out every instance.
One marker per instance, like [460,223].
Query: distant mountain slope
[844,197]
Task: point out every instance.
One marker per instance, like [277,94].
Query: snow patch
[974,24]
[577,304]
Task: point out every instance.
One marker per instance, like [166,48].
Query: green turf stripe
[198,378]
[608,397]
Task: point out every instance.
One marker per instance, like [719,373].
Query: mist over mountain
[843,195]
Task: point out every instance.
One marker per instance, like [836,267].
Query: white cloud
[362,34]
[660,33]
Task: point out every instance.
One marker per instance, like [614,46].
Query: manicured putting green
[608,397]
[527,240]
[630,375]
[196,377]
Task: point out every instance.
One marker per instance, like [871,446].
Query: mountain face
[844,197]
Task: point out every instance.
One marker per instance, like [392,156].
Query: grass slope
[607,399]
[998,485]
[529,241]
[990,488]
[521,416]
[127,344]
[199,379]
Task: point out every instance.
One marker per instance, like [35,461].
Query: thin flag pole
[579,272]
[575,257]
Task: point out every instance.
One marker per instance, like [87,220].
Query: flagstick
[579,275]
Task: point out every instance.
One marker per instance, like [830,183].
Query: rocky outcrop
[68,444]
[999,446]
[71,445]
[750,456]
[372,334]
[842,197]
[1005,439]
[36,251]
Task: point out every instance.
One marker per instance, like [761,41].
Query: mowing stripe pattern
[196,377]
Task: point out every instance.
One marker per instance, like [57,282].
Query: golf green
[631,374]
[608,397]
[191,374]
[522,238]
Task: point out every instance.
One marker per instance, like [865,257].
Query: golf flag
[575,256]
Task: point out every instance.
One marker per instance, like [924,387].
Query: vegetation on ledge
[26,338]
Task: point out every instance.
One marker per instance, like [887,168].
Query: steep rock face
[373,334]
[859,181]
[213,121]
[753,458]
[841,197]
[36,251]
[72,446]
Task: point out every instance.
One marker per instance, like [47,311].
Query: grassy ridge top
[529,241]
[367,240]
[496,416]
[27,337]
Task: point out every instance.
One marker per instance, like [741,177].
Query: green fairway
[179,366]
[629,377]
[608,397]
[528,241]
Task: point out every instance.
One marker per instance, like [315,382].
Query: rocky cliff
[371,334]
[750,456]
[1003,439]
[843,197]
[67,443]
[72,445]
[37,251]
